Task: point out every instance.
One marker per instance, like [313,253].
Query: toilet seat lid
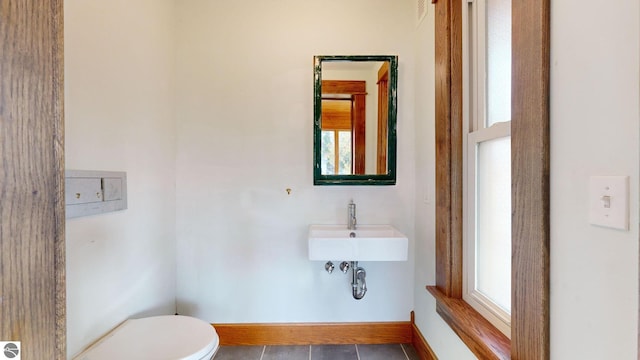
[170,337]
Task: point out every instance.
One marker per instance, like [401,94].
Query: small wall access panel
[89,192]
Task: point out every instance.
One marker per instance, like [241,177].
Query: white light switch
[609,201]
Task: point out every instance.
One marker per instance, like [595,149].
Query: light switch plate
[92,192]
[112,188]
[609,201]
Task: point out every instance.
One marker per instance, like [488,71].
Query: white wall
[119,116]
[594,131]
[244,119]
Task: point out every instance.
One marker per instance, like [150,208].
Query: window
[487,160]
[529,190]
[336,152]
[343,115]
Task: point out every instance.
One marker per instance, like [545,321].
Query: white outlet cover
[609,201]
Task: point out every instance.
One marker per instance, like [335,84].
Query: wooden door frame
[32,230]
[383,119]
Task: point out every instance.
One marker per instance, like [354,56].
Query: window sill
[480,336]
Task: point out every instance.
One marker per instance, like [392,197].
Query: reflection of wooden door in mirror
[383,117]
[334,92]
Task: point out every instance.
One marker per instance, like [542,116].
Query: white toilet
[170,337]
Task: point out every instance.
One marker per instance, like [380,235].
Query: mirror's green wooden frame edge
[367,179]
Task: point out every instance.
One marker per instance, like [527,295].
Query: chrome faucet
[351,224]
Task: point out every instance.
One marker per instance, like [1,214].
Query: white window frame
[336,139]
[475,132]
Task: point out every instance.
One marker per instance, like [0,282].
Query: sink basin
[371,243]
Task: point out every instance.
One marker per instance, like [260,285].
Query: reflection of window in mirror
[336,136]
[343,113]
[336,152]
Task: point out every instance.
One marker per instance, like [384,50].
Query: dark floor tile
[286,353]
[412,354]
[381,352]
[239,353]
[333,352]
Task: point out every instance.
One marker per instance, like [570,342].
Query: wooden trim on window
[448,53]
[357,89]
[530,183]
[530,180]
[482,338]
[344,87]
[336,114]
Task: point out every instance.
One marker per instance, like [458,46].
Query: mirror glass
[355,119]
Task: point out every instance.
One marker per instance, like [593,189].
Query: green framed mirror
[354,114]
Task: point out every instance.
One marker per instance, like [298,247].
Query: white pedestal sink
[366,243]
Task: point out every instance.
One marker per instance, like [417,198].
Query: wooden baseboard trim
[315,333]
[420,343]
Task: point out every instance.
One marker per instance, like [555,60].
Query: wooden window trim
[357,90]
[344,87]
[482,338]
[530,185]
[336,114]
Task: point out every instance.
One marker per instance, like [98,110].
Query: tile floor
[318,352]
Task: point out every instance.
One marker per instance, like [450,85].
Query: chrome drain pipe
[358,283]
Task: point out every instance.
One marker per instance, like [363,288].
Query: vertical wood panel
[530,180]
[358,132]
[58,165]
[455,24]
[383,125]
[443,146]
[448,102]
[32,291]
